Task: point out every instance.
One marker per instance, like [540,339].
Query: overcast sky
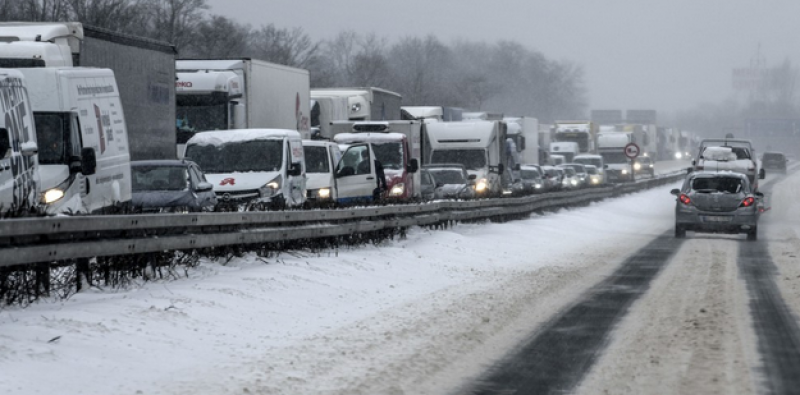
[667,55]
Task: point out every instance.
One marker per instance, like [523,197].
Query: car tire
[752,234]
[680,231]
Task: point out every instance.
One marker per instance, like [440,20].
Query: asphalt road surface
[712,314]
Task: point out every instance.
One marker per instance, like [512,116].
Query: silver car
[170,186]
[719,202]
[452,181]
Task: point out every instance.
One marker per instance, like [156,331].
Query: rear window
[773,156]
[718,184]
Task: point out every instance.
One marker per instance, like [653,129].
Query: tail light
[685,199]
[747,202]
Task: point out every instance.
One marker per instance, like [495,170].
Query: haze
[666,55]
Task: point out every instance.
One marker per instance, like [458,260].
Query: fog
[666,55]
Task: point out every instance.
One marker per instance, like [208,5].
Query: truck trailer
[241,93]
[367,103]
[144,70]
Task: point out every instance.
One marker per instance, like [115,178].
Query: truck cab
[580,132]
[84,159]
[611,146]
[19,176]
[567,149]
[252,168]
[478,145]
[366,103]
[396,145]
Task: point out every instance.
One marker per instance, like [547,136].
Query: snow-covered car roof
[240,135]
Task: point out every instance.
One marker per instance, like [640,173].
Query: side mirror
[472,177]
[694,162]
[29,148]
[5,144]
[413,165]
[762,174]
[204,187]
[295,169]
[439,185]
[88,161]
[675,191]
[517,167]
[501,168]
[759,194]
[605,166]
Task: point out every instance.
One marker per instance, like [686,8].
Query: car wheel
[680,231]
[752,234]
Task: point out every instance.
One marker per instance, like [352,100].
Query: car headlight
[651,165]
[624,171]
[271,188]
[537,186]
[52,195]
[397,189]
[678,155]
[324,193]
[574,181]
[481,185]
[637,166]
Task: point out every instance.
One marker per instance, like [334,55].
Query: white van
[84,163]
[252,168]
[478,145]
[19,179]
[321,158]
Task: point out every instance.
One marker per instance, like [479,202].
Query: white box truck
[19,177]
[478,145]
[526,138]
[144,70]
[84,162]
[324,111]
[366,103]
[240,94]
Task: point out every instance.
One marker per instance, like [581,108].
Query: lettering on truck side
[12,95]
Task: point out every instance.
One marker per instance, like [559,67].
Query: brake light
[685,199]
[747,202]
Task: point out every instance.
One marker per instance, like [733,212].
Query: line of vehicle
[559,354]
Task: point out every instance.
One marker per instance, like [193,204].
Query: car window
[718,184]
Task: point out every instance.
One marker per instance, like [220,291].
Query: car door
[355,174]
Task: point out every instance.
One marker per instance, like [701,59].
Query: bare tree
[33,10]
[118,15]
[175,21]
[421,68]
[291,47]
[218,37]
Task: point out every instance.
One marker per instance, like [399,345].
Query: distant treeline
[504,77]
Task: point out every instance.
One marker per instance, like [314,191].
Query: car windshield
[473,159]
[614,157]
[767,156]
[717,184]
[591,170]
[159,178]
[448,176]
[316,159]
[529,174]
[569,171]
[389,154]
[260,155]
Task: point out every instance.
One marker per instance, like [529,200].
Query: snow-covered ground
[407,316]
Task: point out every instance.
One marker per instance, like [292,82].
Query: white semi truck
[611,146]
[583,133]
[478,145]
[240,94]
[367,103]
[144,72]
[526,139]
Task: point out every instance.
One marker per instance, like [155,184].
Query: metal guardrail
[40,240]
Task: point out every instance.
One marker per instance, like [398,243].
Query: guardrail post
[82,269]
[42,279]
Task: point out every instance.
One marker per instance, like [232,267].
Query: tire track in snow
[559,354]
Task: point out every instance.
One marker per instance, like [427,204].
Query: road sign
[631,150]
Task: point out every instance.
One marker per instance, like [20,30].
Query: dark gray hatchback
[170,186]
[718,202]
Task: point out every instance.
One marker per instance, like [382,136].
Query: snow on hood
[52,175]
[217,138]
[231,182]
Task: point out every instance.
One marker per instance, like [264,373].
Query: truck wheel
[680,231]
[752,234]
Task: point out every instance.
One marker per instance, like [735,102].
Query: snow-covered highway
[431,314]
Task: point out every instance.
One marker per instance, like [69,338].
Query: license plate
[716,218]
